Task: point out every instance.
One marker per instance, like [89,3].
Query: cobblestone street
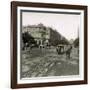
[46,62]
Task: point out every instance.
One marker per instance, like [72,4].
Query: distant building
[43,34]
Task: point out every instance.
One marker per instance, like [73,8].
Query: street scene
[49,44]
[48,53]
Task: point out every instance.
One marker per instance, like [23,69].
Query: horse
[68,52]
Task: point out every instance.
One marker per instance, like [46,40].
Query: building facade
[43,35]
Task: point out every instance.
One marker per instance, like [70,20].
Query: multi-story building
[43,34]
[40,33]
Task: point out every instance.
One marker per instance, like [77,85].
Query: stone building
[43,35]
[40,33]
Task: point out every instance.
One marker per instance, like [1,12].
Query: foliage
[76,42]
[27,38]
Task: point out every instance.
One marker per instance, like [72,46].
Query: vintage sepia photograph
[49,44]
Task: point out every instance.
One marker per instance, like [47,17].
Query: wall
[5,45]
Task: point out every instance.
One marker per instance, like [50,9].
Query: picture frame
[53,15]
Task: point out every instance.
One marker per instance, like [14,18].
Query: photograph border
[14,5]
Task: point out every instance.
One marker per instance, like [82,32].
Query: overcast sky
[66,24]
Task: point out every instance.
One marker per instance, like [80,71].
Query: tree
[76,42]
[27,38]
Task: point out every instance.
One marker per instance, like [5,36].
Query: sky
[66,24]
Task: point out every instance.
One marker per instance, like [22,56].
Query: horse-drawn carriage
[64,49]
[60,49]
